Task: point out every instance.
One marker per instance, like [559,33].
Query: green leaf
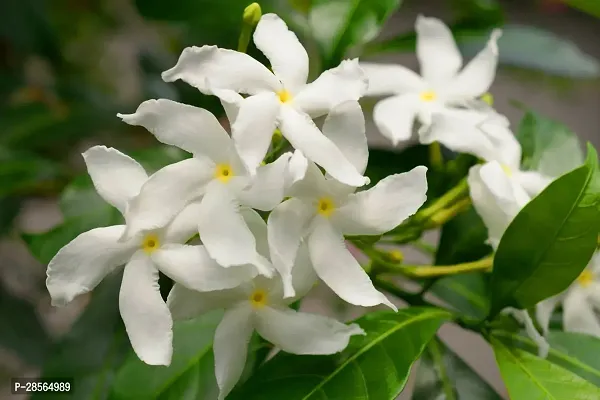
[444,375]
[591,7]
[467,293]
[550,241]
[463,239]
[393,343]
[386,162]
[537,49]
[529,377]
[21,172]
[190,375]
[573,351]
[549,147]
[338,25]
[94,348]
[9,209]
[24,334]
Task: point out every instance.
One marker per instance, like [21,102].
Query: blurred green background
[68,66]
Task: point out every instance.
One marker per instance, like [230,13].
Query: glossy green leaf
[537,49]
[375,366]
[529,377]
[573,351]
[467,293]
[23,333]
[550,241]
[549,147]
[338,25]
[444,375]
[190,375]
[463,239]
[93,349]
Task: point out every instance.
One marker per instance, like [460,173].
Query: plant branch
[431,271]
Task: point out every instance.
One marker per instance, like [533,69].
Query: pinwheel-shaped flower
[259,305]
[580,302]
[440,87]
[279,98]
[215,177]
[321,210]
[80,265]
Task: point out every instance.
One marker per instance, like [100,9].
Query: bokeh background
[68,66]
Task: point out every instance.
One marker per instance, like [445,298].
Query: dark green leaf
[529,377]
[534,48]
[9,209]
[385,162]
[22,331]
[190,375]
[463,239]
[338,25]
[467,293]
[591,7]
[444,375]
[94,348]
[573,351]
[22,172]
[550,241]
[549,147]
[393,343]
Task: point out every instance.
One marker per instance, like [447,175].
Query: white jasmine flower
[80,265]
[499,192]
[215,177]
[280,98]
[259,305]
[322,211]
[580,302]
[440,87]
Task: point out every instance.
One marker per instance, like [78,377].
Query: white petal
[231,347]
[288,57]
[223,230]
[578,315]
[192,129]
[285,228]
[186,304]
[258,227]
[437,52]
[345,127]
[303,134]
[81,264]
[267,188]
[231,102]
[544,309]
[304,276]
[523,317]
[312,186]
[494,198]
[224,68]
[336,266]
[303,333]
[395,116]
[297,168]
[533,182]
[387,79]
[192,267]
[146,316]
[477,76]
[116,176]
[345,82]
[384,206]
[166,194]
[471,132]
[185,225]
[254,127]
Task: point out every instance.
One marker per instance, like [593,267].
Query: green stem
[412,299]
[436,160]
[251,16]
[449,198]
[430,271]
[424,247]
[438,362]
[443,216]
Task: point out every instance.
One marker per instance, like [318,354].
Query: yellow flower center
[428,95]
[284,96]
[150,243]
[223,172]
[325,206]
[258,298]
[586,278]
[507,170]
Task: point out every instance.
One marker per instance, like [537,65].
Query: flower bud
[252,14]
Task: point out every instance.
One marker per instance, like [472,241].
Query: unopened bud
[396,256]
[252,14]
